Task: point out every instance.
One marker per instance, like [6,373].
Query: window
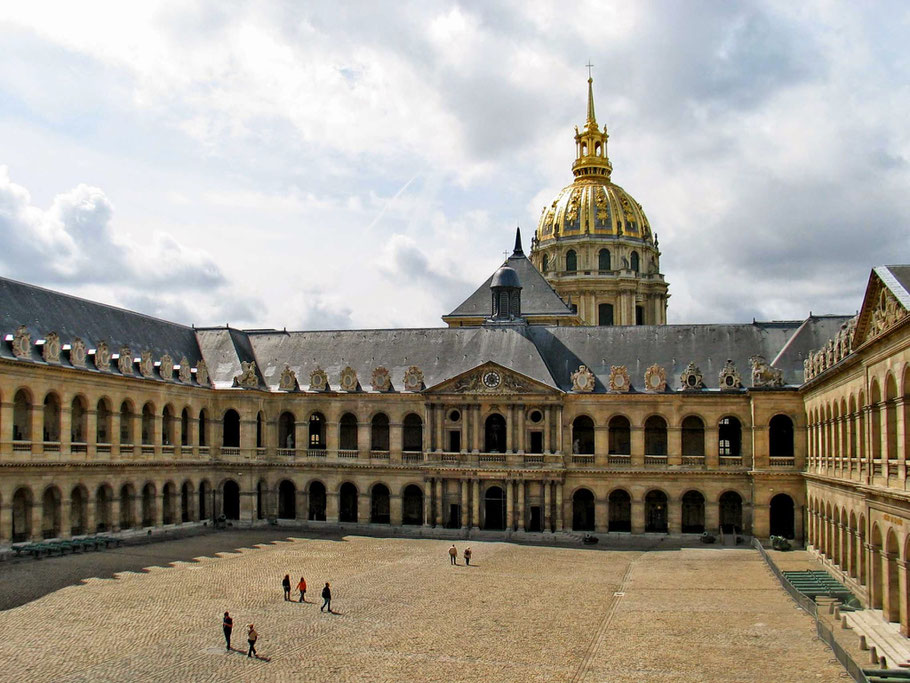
[545,263]
[603,259]
[571,261]
[639,315]
[633,261]
[605,315]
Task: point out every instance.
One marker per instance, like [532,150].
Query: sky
[328,165]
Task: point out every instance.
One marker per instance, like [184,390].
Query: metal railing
[619,459]
[782,462]
[582,459]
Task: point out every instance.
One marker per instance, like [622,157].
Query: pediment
[881,310]
[491,379]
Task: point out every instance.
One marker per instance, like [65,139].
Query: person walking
[326,598]
[251,638]
[453,554]
[227,625]
[467,557]
[286,584]
[301,586]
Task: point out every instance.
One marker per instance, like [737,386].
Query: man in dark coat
[326,598]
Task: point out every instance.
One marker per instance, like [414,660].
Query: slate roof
[897,279]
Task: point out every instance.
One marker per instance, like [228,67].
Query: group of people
[301,587]
[453,555]
[227,626]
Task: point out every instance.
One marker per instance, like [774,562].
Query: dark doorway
[782,516]
[693,512]
[379,505]
[454,441]
[495,434]
[412,505]
[287,500]
[780,437]
[535,523]
[186,492]
[656,512]
[620,511]
[347,503]
[231,499]
[454,520]
[583,435]
[316,511]
[536,442]
[583,510]
[494,509]
[639,315]
[605,315]
[230,429]
[731,512]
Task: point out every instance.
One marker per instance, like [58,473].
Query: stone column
[510,502]
[711,445]
[477,430]
[637,435]
[363,440]
[91,428]
[559,506]
[463,484]
[601,513]
[6,520]
[115,510]
[66,425]
[674,445]
[331,437]
[674,516]
[6,436]
[547,518]
[331,506]
[560,446]
[440,500]
[638,516]
[522,517]
[475,505]
[712,516]
[902,578]
[601,445]
[428,502]
[37,428]
[547,445]
[364,506]
[887,607]
[520,430]
[395,434]
[66,505]
[510,429]
[439,415]
[395,512]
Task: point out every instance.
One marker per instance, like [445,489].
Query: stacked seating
[36,550]
[815,583]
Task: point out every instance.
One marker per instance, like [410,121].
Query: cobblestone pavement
[523,613]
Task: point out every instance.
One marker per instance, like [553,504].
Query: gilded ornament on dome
[413,379]
[319,381]
[185,372]
[288,381]
[729,378]
[146,364]
[22,342]
[655,378]
[348,379]
[125,361]
[691,378]
[202,373]
[78,353]
[381,380]
[619,379]
[102,357]
[50,352]
[583,380]
[166,367]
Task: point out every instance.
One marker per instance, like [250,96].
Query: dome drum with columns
[594,243]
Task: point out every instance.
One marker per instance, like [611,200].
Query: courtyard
[518,613]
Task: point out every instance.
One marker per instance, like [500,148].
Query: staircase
[884,635]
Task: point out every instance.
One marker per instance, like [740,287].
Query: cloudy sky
[364,164]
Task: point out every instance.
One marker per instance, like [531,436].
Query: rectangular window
[605,314]
[536,442]
[455,441]
[639,315]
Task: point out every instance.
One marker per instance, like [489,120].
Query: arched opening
[51,418]
[693,437]
[583,435]
[287,427]
[494,434]
[287,500]
[780,437]
[781,516]
[655,436]
[731,512]
[619,435]
[230,429]
[379,432]
[380,509]
[603,259]
[79,511]
[693,512]
[206,502]
[127,513]
[347,503]
[203,428]
[50,511]
[186,502]
[148,505]
[633,262]
[230,499]
[167,426]
[729,437]
[104,499]
[875,421]
[126,424]
[875,560]
[78,421]
[412,433]
[412,505]
[103,422]
[891,587]
[891,417]
[168,498]
[316,497]
[571,261]
[494,509]
[317,431]
[656,512]
[148,424]
[22,515]
[22,416]
[620,515]
[185,427]
[583,510]
[347,432]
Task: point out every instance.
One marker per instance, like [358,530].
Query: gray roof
[897,279]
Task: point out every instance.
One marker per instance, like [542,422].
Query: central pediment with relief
[491,379]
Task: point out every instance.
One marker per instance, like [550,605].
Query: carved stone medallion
[319,381]
[763,374]
[413,379]
[166,367]
[125,361]
[348,379]
[583,379]
[202,373]
[247,377]
[103,357]
[381,379]
[22,342]
[619,379]
[288,381]
[729,378]
[691,378]
[51,350]
[655,379]
[146,364]
[185,373]
[78,353]
[489,381]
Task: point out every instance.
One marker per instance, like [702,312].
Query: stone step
[885,636]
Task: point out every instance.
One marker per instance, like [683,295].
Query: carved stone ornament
[886,315]
[655,379]
[166,367]
[288,381]
[763,375]
[78,353]
[184,373]
[413,379]
[381,379]
[146,364]
[51,350]
[691,378]
[202,374]
[583,379]
[103,357]
[619,379]
[348,379]
[729,378]
[22,342]
[125,361]
[490,381]
[247,377]
[319,381]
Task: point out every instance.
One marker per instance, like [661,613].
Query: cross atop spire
[590,66]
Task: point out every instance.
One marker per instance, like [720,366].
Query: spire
[518,249]
[591,160]
[592,120]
